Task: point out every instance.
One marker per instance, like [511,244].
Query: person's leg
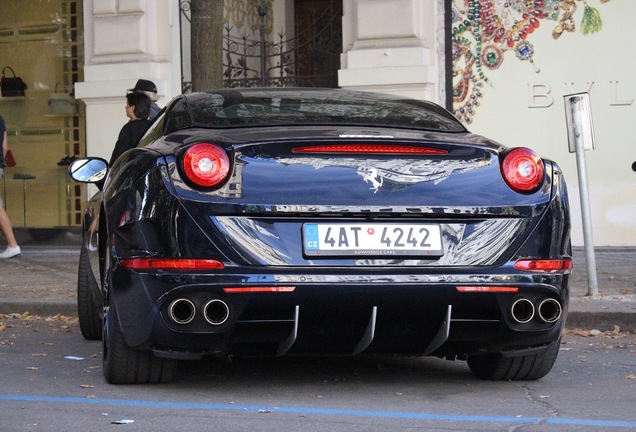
[7,229]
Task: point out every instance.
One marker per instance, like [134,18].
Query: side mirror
[88,170]
[634,166]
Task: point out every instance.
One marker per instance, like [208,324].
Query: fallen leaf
[607,334]
[578,332]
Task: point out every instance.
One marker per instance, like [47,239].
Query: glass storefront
[41,42]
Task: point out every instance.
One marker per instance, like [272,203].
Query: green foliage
[591,22]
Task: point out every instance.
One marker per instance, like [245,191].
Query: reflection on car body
[322,222]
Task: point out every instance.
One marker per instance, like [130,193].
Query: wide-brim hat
[144,85]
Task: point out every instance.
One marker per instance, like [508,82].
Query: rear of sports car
[344,241]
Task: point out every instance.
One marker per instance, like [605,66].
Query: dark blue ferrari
[295,221]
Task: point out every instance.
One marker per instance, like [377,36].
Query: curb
[44,308]
[604,321]
[603,312]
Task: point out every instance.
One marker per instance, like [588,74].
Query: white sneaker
[10,252]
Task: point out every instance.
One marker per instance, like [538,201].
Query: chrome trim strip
[369,333]
[285,346]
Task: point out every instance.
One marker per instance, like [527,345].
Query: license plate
[371,239]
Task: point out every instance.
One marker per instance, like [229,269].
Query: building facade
[503,67]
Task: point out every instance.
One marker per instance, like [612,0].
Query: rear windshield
[314,107]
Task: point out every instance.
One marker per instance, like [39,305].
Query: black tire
[496,367]
[124,365]
[89,310]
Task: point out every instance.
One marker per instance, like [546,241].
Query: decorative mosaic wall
[483,31]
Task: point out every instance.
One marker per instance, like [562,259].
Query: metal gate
[311,58]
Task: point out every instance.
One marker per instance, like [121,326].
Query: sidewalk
[43,281]
[615,303]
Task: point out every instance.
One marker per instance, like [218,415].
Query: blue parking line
[324,411]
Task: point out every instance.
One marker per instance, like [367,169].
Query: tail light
[489,289]
[544,265]
[172,264]
[522,170]
[259,289]
[206,165]
[390,149]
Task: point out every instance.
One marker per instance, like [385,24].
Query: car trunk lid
[279,188]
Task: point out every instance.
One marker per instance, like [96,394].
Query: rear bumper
[336,314]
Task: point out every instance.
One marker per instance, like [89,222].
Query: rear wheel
[124,365]
[89,311]
[529,367]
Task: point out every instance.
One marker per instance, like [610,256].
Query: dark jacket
[129,136]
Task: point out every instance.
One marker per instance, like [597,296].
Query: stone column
[125,40]
[394,46]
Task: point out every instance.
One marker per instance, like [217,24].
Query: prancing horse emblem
[374,179]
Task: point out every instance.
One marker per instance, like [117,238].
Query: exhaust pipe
[181,311]
[549,310]
[216,312]
[522,310]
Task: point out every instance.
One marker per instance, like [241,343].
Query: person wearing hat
[149,89]
[137,111]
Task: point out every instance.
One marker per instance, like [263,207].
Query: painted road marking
[324,411]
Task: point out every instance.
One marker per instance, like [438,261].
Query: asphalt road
[51,380]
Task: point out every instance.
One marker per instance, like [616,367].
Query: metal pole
[588,241]
[262,12]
